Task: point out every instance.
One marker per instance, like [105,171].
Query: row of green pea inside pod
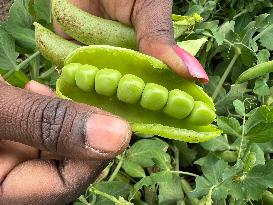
[131,89]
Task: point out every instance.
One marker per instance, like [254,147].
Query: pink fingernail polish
[107,133]
[194,67]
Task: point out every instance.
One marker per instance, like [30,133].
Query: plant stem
[184,173]
[176,157]
[21,65]
[240,14]
[47,73]
[242,140]
[224,76]
[105,195]
[263,32]
[187,189]
[114,174]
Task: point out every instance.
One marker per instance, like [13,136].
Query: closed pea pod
[256,71]
[151,118]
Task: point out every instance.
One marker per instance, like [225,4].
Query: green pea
[154,97]
[85,77]
[179,104]
[201,114]
[106,81]
[69,72]
[130,88]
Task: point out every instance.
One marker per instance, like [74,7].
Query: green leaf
[219,37]
[19,24]
[114,188]
[154,178]
[259,126]
[18,78]
[261,88]
[236,92]
[133,169]
[192,46]
[239,107]
[42,10]
[148,152]
[251,186]
[230,126]
[8,55]
[170,192]
[210,179]
[266,40]
[219,143]
[181,24]
[263,56]
[186,154]
[259,154]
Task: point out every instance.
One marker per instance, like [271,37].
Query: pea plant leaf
[115,188]
[19,24]
[259,126]
[239,107]
[221,143]
[261,88]
[133,169]
[236,92]
[251,186]
[230,126]
[192,46]
[154,178]
[263,56]
[212,179]
[149,152]
[8,55]
[42,11]
[170,192]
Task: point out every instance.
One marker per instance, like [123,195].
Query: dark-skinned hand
[52,149]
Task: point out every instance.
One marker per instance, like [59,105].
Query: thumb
[60,126]
[153,24]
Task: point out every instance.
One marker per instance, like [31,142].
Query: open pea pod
[140,89]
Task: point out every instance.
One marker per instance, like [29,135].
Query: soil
[4,8]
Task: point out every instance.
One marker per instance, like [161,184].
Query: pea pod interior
[150,70]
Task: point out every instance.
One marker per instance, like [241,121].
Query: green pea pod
[53,47]
[89,29]
[256,71]
[125,64]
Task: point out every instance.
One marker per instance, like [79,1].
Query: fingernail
[193,65]
[1,78]
[107,133]
[39,88]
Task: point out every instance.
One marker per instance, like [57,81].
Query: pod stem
[21,65]
[114,174]
[224,76]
